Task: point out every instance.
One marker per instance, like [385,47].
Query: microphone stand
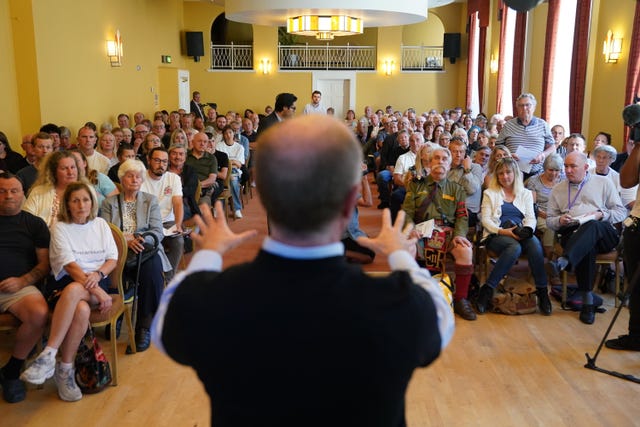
[624,298]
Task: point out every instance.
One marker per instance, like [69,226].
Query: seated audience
[125,152]
[189,180]
[41,145]
[431,195]
[136,212]
[86,144]
[604,155]
[206,167]
[509,221]
[469,176]
[101,183]
[235,151]
[10,161]
[82,255]
[107,147]
[24,250]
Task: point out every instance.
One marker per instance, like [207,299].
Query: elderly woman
[135,212]
[82,254]
[604,156]
[541,186]
[10,161]
[101,183]
[59,170]
[508,220]
[107,147]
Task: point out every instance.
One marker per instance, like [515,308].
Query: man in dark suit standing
[285,109]
[196,107]
[298,336]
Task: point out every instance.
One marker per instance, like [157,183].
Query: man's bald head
[575,166]
[306,169]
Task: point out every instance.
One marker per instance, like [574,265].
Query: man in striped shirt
[527,131]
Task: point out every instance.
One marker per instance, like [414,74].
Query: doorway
[338,90]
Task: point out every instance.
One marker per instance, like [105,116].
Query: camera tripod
[624,299]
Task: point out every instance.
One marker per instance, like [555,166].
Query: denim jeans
[235,192]
[508,250]
[383,179]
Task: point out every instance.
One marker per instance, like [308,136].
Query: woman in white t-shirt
[82,254]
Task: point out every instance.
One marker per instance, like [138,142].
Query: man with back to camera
[24,250]
[298,336]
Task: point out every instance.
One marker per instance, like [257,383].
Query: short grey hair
[134,165]
[553,161]
[607,149]
[527,95]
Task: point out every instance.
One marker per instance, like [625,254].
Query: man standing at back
[297,336]
[314,107]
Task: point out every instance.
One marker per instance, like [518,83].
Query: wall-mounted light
[114,50]
[388,67]
[265,66]
[612,48]
[493,64]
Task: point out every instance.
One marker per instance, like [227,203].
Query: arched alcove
[225,32]
[426,33]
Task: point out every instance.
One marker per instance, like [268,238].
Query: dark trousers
[396,201]
[631,261]
[582,246]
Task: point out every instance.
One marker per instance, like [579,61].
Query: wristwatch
[102,275]
[467,170]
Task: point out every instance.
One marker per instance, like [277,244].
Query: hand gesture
[391,237]
[214,233]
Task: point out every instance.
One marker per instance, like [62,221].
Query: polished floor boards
[497,371]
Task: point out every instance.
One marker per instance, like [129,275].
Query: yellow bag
[446,286]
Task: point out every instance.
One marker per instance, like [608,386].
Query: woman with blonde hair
[101,183]
[508,222]
[107,147]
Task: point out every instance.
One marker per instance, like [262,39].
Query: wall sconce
[388,67]
[265,66]
[114,50]
[612,48]
[493,64]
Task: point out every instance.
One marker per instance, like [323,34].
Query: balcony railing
[315,57]
[422,58]
[231,57]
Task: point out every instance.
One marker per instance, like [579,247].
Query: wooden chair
[8,321]
[119,306]
[225,196]
[608,258]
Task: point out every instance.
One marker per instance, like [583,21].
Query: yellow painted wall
[76,80]
[609,80]
[9,113]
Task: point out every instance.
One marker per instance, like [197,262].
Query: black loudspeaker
[195,45]
[451,46]
[522,5]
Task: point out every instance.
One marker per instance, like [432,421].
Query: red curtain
[471,63]
[519,41]
[481,61]
[579,64]
[633,69]
[502,13]
[549,53]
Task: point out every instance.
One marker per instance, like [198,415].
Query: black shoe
[462,308]
[107,329]
[13,391]
[588,314]
[544,304]
[383,205]
[143,339]
[484,298]
[624,342]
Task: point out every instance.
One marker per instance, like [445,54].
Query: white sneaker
[68,390]
[40,370]
[238,214]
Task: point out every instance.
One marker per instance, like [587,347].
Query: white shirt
[404,162]
[165,188]
[314,109]
[235,151]
[98,162]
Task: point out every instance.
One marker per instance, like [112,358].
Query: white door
[184,92]
[338,90]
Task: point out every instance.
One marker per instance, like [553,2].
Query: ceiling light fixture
[324,27]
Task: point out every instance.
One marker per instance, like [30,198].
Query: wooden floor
[497,371]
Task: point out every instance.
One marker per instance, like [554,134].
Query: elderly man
[527,131]
[583,209]
[467,174]
[206,167]
[439,198]
[24,250]
[260,326]
[167,187]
